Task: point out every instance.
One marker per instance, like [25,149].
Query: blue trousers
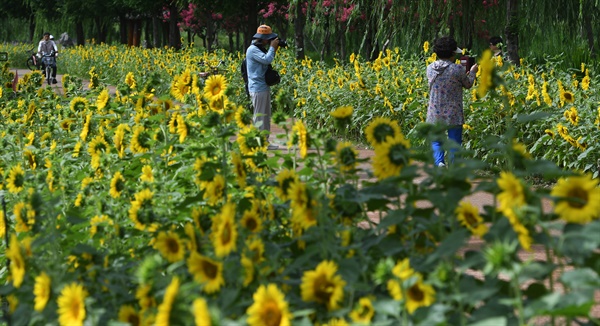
[455,134]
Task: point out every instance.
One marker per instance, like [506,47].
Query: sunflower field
[156,201]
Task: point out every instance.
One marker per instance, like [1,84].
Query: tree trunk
[209,31]
[231,45]
[589,32]
[123,29]
[31,27]
[79,32]
[252,10]
[156,39]
[299,24]
[468,24]
[174,35]
[137,32]
[512,31]
[130,29]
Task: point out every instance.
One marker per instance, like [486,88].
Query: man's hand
[474,69]
[275,43]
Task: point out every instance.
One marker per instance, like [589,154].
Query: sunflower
[215,87]
[426,47]
[225,233]
[248,267]
[419,295]
[79,104]
[285,179]
[300,137]
[239,168]
[41,291]
[17,262]
[130,80]
[402,269]
[86,127]
[302,204]
[117,185]
[380,130]
[2,225]
[67,124]
[342,115]
[251,141]
[98,145]
[243,117]
[323,286]
[182,128]
[201,313]
[255,250]
[394,289]
[566,96]
[577,198]
[147,175]
[140,140]
[16,179]
[485,72]
[269,307]
[206,271]
[170,246]
[468,215]
[572,116]
[214,191]
[336,322]
[390,157]
[102,100]
[24,215]
[179,89]
[522,234]
[513,193]
[71,305]
[346,156]
[119,138]
[164,309]
[145,298]
[129,315]
[251,220]
[363,312]
[141,212]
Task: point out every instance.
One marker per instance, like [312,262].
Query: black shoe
[54,81]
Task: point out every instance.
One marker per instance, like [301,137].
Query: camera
[283,43]
[467,62]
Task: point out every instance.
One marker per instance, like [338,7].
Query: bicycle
[33,62]
[49,60]
[212,70]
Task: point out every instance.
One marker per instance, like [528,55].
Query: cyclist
[46,47]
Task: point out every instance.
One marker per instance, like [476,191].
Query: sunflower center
[226,235]
[415,293]
[120,185]
[271,314]
[133,319]
[579,197]
[216,90]
[470,219]
[347,156]
[396,155]
[323,289]
[210,270]
[173,245]
[251,224]
[75,308]
[383,131]
[19,180]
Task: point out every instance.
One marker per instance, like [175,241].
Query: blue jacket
[257,63]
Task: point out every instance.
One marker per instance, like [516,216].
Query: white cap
[458,50]
[51,36]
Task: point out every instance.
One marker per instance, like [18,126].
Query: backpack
[271,75]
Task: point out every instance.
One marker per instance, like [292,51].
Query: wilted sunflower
[117,184]
[269,307]
[577,199]
[170,246]
[201,312]
[419,295]
[323,286]
[390,157]
[16,179]
[41,291]
[224,236]
[285,179]
[79,104]
[164,309]
[346,156]
[17,263]
[71,305]
[468,216]
[206,271]
[215,87]
[128,314]
[363,311]
[381,129]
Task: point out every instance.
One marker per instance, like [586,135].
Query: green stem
[519,297]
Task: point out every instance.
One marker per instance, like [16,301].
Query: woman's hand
[474,69]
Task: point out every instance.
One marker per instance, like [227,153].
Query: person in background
[496,45]
[258,59]
[446,82]
[46,47]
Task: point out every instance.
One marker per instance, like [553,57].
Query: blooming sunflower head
[419,295]
[16,179]
[577,199]
[323,285]
[269,307]
[206,271]
[380,130]
[170,245]
[468,216]
[215,87]
[390,157]
[285,179]
[79,104]
[71,305]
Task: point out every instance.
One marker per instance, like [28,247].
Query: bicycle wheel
[31,64]
[49,74]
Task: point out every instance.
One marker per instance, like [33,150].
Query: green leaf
[536,290]
[494,321]
[449,246]
[523,118]
[584,278]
